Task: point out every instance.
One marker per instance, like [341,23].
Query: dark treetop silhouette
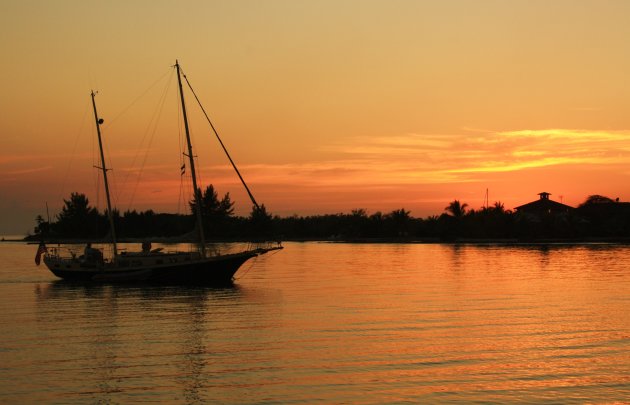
[598,217]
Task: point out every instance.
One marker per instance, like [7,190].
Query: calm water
[330,323]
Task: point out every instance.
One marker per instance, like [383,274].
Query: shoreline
[380,240]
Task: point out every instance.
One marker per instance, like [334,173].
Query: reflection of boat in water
[138,293]
[196,267]
[119,316]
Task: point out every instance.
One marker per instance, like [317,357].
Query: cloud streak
[452,158]
[384,171]
[416,159]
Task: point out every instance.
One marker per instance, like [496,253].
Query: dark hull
[218,270]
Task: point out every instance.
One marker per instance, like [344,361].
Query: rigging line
[244,273]
[97,174]
[181,194]
[137,99]
[106,155]
[183,176]
[74,150]
[193,141]
[183,155]
[98,189]
[154,122]
[199,171]
[115,186]
[251,196]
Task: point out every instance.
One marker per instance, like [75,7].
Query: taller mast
[110,214]
[196,191]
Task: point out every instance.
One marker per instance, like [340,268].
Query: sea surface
[330,323]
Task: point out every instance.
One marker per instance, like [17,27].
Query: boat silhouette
[197,267]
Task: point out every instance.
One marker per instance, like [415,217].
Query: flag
[183,169]
[40,251]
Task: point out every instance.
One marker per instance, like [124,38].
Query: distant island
[597,218]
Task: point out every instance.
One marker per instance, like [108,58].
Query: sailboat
[198,267]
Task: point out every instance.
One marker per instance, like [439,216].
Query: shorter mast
[110,214]
[196,191]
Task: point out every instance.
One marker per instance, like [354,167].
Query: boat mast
[110,214]
[196,191]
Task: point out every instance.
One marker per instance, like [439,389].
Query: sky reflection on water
[332,323]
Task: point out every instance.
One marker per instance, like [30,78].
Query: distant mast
[110,214]
[486,201]
[196,194]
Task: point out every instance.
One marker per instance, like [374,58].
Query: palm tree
[400,219]
[499,207]
[456,208]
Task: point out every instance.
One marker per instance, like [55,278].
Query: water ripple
[331,323]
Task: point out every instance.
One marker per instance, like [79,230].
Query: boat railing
[226,248]
[60,252]
[265,245]
[77,254]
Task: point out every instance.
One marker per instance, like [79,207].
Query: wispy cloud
[20,174]
[414,159]
[434,158]
[29,171]
[401,168]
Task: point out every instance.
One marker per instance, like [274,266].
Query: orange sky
[326,106]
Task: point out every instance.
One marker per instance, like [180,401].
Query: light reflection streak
[341,323]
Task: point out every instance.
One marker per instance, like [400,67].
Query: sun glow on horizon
[325,106]
[403,167]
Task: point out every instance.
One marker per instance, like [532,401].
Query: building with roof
[544,206]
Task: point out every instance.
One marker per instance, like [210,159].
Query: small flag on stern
[40,251]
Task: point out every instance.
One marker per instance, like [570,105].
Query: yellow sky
[325,105]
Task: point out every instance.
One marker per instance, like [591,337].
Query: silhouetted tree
[456,208]
[215,213]
[356,224]
[596,199]
[598,216]
[43,227]
[498,207]
[603,216]
[77,219]
[400,222]
[376,224]
[452,226]
[260,222]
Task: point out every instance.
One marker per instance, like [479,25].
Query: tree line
[79,220]
[597,217]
